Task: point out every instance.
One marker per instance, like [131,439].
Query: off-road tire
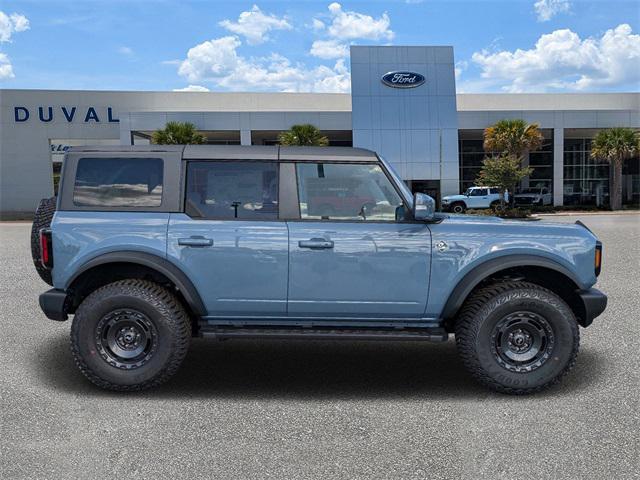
[487,307]
[42,219]
[169,318]
[458,205]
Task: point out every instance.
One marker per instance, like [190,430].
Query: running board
[428,335]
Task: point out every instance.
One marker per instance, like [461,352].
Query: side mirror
[424,207]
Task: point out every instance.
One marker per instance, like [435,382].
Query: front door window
[356,192]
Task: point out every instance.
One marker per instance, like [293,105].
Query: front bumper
[53,304]
[594,302]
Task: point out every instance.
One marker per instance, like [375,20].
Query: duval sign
[402,79]
[47,114]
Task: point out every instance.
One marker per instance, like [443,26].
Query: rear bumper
[52,303]
[594,302]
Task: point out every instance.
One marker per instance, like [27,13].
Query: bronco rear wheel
[130,335]
[517,337]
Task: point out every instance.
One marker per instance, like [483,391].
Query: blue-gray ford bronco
[150,246]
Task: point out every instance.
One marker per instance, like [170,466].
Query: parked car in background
[533,196]
[474,197]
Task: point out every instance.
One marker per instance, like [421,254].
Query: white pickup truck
[473,197]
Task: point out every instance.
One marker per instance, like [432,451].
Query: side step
[415,334]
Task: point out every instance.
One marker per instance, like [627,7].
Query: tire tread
[467,329]
[162,299]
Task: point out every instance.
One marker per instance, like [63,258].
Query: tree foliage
[177,133]
[615,146]
[513,137]
[508,141]
[504,172]
[303,135]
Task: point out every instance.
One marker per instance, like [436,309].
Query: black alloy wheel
[522,341]
[126,338]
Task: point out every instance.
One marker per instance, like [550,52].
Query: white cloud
[127,51]
[192,88]
[317,25]
[561,60]
[347,25]
[10,24]
[6,70]
[218,62]
[460,67]
[547,9]
[211,59]
[328,49]
[255,24]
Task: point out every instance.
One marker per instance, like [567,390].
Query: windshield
[475,192]
[404,189]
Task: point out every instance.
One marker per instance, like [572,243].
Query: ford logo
[402,79]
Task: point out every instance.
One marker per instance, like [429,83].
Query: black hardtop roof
[243,152]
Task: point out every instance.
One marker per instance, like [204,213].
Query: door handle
[316,243]
[195,242]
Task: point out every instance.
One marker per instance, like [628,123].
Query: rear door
[229,240]
[352,254]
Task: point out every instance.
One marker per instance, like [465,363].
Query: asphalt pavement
[275,409]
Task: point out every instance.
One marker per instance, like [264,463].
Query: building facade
[403,105]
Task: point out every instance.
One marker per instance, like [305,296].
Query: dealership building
[413,117]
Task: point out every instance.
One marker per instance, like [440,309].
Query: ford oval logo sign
[402,79]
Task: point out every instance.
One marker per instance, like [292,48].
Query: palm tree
[303,135]
[508,141]
[513,137]
[177,133]
[615,145]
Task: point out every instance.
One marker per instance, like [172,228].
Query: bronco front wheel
[130,335]
[517,337]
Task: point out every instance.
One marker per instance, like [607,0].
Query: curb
[578,212]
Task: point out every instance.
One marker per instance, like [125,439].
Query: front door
[229,241]
[352,254]
[478,198]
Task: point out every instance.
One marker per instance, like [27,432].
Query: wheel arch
[113,266]
[540,270]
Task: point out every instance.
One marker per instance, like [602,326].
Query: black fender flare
[485,269]
[155,262]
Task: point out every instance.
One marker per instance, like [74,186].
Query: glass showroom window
[471,156]
[586,181]
[542,163]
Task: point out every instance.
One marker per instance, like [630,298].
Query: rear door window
[118,182]
[226,190]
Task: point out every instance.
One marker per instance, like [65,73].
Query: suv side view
[473,197]
[149,246]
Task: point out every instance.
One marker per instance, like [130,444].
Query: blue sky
[500,46]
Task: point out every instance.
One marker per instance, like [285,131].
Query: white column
[125,130]
[245,137]
[558,166]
